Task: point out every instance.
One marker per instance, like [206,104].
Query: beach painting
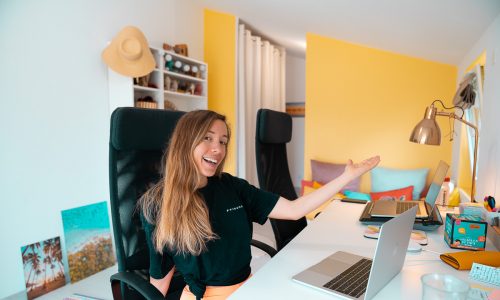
[43,267]
[87,237]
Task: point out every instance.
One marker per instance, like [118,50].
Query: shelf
[188,96]
[187,77]
[123,91]
[144,88]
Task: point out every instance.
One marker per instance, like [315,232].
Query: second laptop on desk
[389,208]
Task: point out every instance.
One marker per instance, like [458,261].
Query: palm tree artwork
[43,271]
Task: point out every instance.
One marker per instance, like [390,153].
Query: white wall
[488,177]
[296,92]
[54,115]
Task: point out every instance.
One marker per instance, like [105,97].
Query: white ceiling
[438,30]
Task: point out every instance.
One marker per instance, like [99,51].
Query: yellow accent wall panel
[220,55]
[362,101]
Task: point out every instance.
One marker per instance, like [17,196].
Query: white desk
[338,228]
[96,286]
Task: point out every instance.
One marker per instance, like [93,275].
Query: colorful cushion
[385,179]
[404,194]
[357,195]
[303,184]
[313,184]
[324,172]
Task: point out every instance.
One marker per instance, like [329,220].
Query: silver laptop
[391,208]
[352,276]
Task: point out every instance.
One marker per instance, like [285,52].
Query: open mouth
[210,160]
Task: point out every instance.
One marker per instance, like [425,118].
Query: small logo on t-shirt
[234,208]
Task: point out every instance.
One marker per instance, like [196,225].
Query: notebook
[390,208]
[352,276]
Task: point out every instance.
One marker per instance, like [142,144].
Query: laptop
[391,208]
[352,276]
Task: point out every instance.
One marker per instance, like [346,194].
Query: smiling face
[211,151]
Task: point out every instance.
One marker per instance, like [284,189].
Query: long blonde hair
[174,204]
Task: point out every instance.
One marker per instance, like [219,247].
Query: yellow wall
[220,55]
[362,101]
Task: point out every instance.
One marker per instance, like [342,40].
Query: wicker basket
[145,104]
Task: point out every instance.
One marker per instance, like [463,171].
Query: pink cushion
[323,172]
[403,194]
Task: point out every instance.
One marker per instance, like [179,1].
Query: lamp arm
[476,140]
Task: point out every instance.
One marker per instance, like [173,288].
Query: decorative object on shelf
[143,80]
[186,69]
[168,105]
[129,54]
[169,62]
[175,85]
[177,66]
[43,267]
[146,102]
[167,83]
[88,240]
[181,49]
[167,47]
[195,72]
[198,89]
[191,88]
[203,72]
[427,132]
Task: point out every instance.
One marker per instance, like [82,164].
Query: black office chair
[274,130]
[138,138]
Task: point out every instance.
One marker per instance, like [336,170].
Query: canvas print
[43,267]
[296,109]
[88,241]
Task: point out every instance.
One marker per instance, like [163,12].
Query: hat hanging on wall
[129,54]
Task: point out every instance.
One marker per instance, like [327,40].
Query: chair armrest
[264,247]
[137,282]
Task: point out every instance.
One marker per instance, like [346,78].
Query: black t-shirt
[233,205]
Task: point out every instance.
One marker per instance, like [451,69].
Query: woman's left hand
[357,169]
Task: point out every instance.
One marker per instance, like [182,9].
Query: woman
[199,219]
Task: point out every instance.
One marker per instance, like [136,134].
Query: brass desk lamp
[427,132]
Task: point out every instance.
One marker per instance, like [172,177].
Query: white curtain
[261,84]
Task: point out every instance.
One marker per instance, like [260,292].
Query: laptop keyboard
[401,207]
[353,281]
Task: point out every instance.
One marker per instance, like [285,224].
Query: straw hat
[129,54]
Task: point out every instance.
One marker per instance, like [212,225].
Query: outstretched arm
[293,210]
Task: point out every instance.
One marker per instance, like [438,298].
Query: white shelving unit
[189,93]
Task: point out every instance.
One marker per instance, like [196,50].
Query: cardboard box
[465,232]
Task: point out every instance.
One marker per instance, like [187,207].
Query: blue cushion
[357,195]
[385,179]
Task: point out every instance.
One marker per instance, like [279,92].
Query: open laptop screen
[436,183]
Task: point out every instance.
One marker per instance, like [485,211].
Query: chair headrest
[142,129]
[273,127]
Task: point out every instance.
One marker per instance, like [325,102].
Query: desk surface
[338,228]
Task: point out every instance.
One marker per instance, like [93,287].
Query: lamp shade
[427,131]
